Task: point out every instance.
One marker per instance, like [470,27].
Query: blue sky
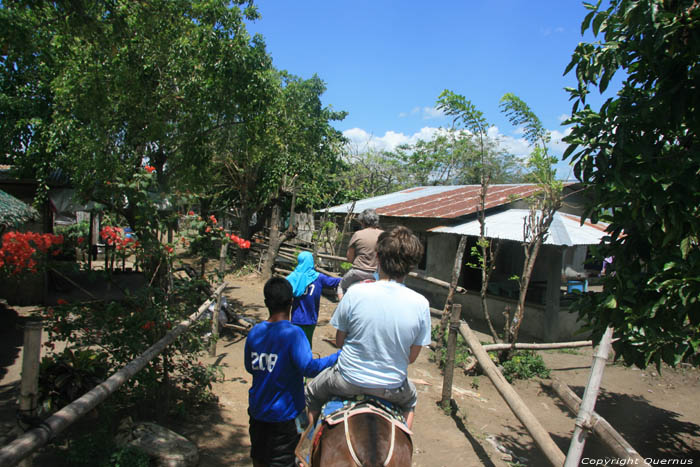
[386,62]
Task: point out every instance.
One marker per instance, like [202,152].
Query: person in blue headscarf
[307,284]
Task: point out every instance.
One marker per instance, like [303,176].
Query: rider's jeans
[331,383]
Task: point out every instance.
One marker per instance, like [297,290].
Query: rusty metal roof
[441,202]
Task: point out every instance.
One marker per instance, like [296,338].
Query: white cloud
[362,139]
[413,111]
[513,144]
[426,113]
[432,112]
[549,31]
[557,145]
[563,117]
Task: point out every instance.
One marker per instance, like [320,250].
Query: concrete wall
[535,321]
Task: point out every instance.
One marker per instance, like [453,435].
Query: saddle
[340,411]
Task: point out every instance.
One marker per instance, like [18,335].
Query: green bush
[74,236]
[525,364]
[462,352]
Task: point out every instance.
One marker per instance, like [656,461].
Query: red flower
[61,301]
[212,218]
[191,213]
[149,168]
[169,249]
[80,240]
[148,325]
[207,230]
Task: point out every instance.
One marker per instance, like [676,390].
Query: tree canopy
[638,158]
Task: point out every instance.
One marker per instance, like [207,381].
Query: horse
[363,434]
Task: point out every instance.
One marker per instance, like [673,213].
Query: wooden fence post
[450,360]
[578,441]
[29,387]
[217,308]
[215,326]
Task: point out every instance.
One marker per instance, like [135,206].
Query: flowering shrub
[123,330]
[124,245]
[75,238]
[22,252]
[204,235]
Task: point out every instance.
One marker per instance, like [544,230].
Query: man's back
[364,242]
[383,320]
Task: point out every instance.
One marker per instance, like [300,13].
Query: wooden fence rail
[24,445]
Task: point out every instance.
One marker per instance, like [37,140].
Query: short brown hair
[398,250]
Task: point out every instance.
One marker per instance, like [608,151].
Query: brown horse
[365,437]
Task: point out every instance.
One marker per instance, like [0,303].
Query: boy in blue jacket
[278,356]
[307,285]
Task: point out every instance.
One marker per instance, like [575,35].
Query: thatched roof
[14,212]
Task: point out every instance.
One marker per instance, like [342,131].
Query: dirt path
[659,415]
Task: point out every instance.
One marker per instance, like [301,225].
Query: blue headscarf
[304,274]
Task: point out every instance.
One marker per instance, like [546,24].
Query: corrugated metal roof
[442,202]
[14,212]
[566,229]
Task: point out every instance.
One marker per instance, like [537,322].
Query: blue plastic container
[580,286]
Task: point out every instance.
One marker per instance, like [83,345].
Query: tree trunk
[274,243]
[456,271]
[276,239]
[530,257]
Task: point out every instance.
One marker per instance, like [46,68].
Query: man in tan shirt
[362,251]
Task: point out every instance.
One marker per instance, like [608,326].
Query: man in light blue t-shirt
[381,327]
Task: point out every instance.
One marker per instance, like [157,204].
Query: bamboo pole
[74,284]
[217,308]
[215,326]
[450,360]
[29,386]
[538,346]
[605,432]
[539,434]
[578,441]
[522,346]
[432,280]
[21,447]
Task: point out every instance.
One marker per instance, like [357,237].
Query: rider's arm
[413,354]
[340,338]
[350,255]
[304,361]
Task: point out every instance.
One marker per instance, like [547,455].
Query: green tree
[369,172]
[101,89]
[472,120]
[542,206]
[638,158]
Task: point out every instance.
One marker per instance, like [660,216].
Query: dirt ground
[658,414]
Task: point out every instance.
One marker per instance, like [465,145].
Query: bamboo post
[12,453]
[605,432]
[29,386]
[450,360]
[441,283]
[217,309]
[539,434]
[578,441]
[215,326]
